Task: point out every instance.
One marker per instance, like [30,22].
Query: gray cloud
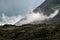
[13,7]
[17,7]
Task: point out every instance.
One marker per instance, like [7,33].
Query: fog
[16,8]
[32,17]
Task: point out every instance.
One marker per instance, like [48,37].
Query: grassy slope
[30,32]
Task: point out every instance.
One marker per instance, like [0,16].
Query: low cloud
[28,19]
[36,17]
[9,20]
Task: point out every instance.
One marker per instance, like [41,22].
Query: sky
[14,8]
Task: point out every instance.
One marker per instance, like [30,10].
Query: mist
[12,10]
[36,17]
[9,20]
[30,18]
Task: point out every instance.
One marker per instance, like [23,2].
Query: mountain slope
[48,7]
[43,12]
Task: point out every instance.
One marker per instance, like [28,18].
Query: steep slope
[48,7]
[42,13]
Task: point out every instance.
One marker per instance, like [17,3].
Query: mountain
[47,8]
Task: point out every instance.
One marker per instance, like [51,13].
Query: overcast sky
[18,7]
[15,7]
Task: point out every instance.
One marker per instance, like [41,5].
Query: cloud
[13,7]
[36,17]
[9,20]
[28,19]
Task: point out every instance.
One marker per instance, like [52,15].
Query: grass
[30,32]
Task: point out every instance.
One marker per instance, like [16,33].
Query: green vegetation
[30,32]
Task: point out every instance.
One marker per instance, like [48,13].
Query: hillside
[44,13]
[30,32]
[48,8]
